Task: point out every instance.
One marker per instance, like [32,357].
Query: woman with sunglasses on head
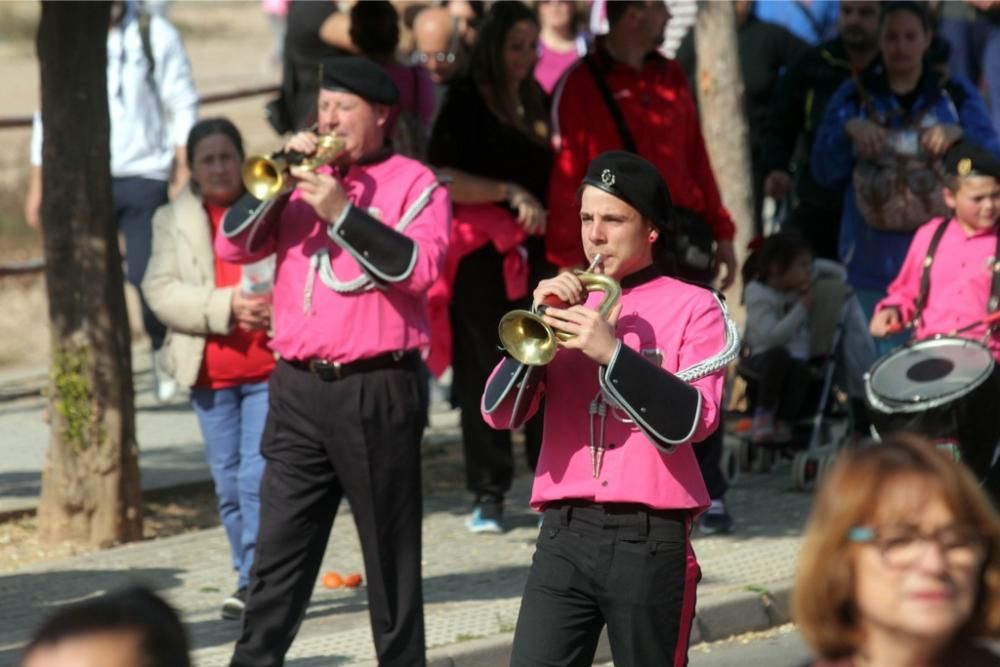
[900,565]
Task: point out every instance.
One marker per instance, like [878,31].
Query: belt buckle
[327,370]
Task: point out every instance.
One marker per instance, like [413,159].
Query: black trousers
[358,437]
[479,301]
[621,565]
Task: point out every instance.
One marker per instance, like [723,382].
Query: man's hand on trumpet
[304,142]
[592,334]
[321,191]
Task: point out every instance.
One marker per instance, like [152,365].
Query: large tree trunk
[720,98]
[90,483]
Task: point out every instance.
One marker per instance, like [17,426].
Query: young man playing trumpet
[358,245]
[617,478]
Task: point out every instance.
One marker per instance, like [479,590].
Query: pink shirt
[960,282]
[685,325]
[551,65]
[313,320]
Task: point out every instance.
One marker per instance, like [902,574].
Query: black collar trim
[641,277]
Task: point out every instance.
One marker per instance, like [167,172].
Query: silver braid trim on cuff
[729,352]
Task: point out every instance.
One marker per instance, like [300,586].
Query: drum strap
[925,277]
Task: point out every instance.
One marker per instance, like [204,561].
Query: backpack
[901,188]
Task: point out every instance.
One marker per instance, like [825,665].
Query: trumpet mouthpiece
[594,262]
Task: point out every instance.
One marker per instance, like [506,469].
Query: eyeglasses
[440,57]
[902,546]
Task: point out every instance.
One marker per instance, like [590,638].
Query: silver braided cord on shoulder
[729,352]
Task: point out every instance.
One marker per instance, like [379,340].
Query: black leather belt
[331,371]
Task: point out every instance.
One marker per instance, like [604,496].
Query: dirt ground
[184,512]
[229,46]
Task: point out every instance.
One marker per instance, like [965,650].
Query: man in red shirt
[659,113]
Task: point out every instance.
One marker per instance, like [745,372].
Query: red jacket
[661,116]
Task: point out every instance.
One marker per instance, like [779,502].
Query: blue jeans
[232,421]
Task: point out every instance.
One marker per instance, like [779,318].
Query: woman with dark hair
[217,342]
[491,140]
[900,564]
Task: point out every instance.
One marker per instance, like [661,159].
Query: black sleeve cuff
[380,250]
[248,211]
[665,407]
[510,377]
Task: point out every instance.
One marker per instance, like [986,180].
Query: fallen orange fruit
[352,580]
[332,580]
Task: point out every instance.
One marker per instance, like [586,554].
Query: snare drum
[947,389]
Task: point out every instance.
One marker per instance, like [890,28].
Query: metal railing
[37,265]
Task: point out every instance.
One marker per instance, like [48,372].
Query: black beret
[633,180]
[359,76]
[968,159]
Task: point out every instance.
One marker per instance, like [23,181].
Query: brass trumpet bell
[266,176]
[525,335]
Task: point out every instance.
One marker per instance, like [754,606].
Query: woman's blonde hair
[823,598]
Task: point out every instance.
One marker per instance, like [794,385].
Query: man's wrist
[338,220]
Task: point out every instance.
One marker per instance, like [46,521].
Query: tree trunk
[720,99]
[90,483]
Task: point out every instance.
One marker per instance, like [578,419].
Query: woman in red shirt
[218,339]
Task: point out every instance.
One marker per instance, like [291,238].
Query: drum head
[929,373]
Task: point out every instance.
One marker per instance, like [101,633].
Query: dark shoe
[487,517]
[715,521]
[232,606]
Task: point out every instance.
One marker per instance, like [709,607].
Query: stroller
[813,445]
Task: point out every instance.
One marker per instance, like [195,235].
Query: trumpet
[265,176]
[526,336]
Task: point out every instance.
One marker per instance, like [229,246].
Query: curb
[716,620]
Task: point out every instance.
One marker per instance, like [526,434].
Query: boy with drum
[947,291]
[951,274]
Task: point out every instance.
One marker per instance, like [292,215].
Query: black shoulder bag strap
[609,100]
[925,275]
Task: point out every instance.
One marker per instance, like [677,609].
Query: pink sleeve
[429,230]
[704,338]
[253,243]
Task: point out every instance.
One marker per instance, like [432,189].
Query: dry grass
[173,515]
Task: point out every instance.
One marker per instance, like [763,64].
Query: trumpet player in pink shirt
[358,244]
[626,396]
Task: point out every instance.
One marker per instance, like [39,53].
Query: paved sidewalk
[472,584]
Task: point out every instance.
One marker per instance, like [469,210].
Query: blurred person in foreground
[217,341]
[132,627]
[900,565]
[359,242]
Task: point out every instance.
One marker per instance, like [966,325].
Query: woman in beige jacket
[217,338]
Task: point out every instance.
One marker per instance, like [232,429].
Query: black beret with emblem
[633,180]
[360,76]
[967,159]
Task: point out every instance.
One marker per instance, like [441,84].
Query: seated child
[793,304]
[963,253]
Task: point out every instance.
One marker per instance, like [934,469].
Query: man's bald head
[437,44]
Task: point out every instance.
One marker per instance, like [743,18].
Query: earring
[652,237]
